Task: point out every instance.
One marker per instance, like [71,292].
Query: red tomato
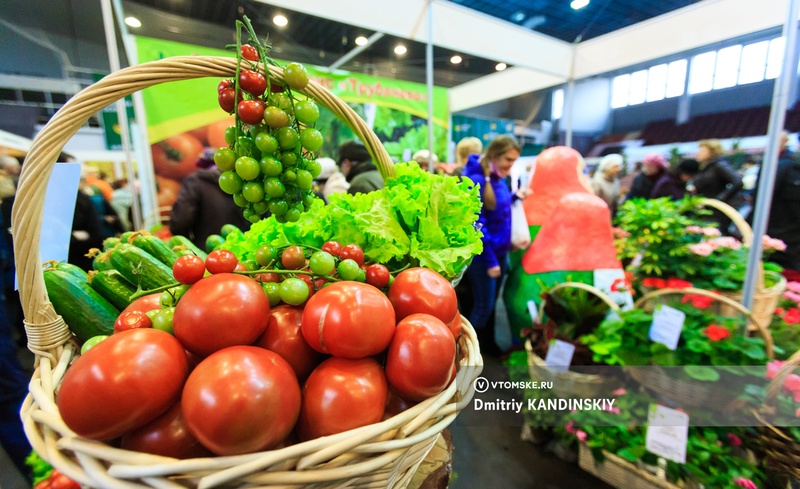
[269,277]
[221,261]
[122,383]
[420,290]
[188,269]
[132,320]
[252,82]
[348,319]
[249,52]
[224,84]
[353,252]
[166,435]
[378,275]
[219,311]
[241,399]
[332,247]
[251,111]
[420,358]
[342,394]
[57,480]
[176,156]
[226,97]
[455,326]
[283,336]
[146,303]
[293,258]
[396,405]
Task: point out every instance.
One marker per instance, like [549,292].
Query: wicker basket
[385,454]
[618,472]
[693,394]
[571,384]
[781,452]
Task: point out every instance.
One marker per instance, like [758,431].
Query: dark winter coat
[784,215]
[642,186]
[717,180]
[496,224]
[669,185]
[364,178]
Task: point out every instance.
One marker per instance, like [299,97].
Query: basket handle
[29,202]
[734,216]
[762,330]
[776,384]
[578,285]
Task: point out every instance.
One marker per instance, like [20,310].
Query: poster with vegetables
[184,118]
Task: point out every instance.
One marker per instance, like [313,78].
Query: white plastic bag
[520,232]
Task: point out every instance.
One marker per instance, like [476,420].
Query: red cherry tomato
[251,111]
[348,319]
[224,84]
[188,269]
[227,99]
[332,247]
[252,82]
[269,277]
[103,396]
[132,320]
[240,268]
[249,52]
[455,326]
[342,394]
[293,258]
[166,435]
[240,400]
[57,480]
[319,283]
[310,282]
[421,290]
[145,303]
[221,261]
[378,275]
[283,336]
[420,358]
[396,405]
[352,252]
[219,311]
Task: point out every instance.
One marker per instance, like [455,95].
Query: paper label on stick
[667,433]
[533,310]
[612,281]
[559,355]
[667,326]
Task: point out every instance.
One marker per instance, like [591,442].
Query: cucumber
[180,243]
[85,311]
[127,236]
[102,261]
[109,243]
[113,287]
[73,270]
[140,267]
[156,247]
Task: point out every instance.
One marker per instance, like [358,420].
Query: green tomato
[289,176]
[278,207]
[247,168]
[306,112]
[308,199]
[296,76]
[239,200]
[152,313]
[230,182]
[311,139]
[224,158]
[253,191]
[321,263]
[228,229]
[266,254]
[230,134]
[314,168]
[348,269]
[362,275]
[254,217]
[273,290]
[275,117]
[288,159]
[266,143]
[261,207]
[292,215]
[304,180]
[163,320]
[287,137]
[280,99]
[245,146]
[294,291]
[271,167]
[88,344]
[274,188]
[213,241]
[258,129]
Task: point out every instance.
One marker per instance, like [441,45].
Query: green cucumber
[156,247]
[113,287]
[102,261]
[180,243]
[140,267]
[109,243]
[127,236]
[73,270]
[85,311]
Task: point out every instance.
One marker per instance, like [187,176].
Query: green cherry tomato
[273,291]
[287,137]
[362,275]
[213,241]
[296,76]
[288,159]
[294,291]
[314,168]
[88,344]
[163,320]
[293,215]
[321,263]
[230,182]
[254,217]
[239,200]
[261,207]
[278,207]
[230,134]
[289,176]
[266,143]
[308,199]
[311,139]
[258,129]
[271,167]
[274,188]
[275,117]
[224,158]
[152,313]
[306,112]
[304,180]
[247,168]
[228,229]
[281,100]
[245,146]
[265,254]
[348,269]
[253,191]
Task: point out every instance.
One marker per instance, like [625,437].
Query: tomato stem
[141,293]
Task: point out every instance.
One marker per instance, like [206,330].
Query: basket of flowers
[382,452]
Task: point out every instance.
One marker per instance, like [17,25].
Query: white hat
[610,161]
[328,168]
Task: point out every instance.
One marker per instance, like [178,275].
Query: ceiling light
[361,40]
[578,4]
[518,17]
[400,49]
[133,22]
[455,59]
[280,20]
[501,66]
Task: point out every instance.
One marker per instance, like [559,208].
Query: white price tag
[559,355]
[667,326]
[533,310]
[612,281]
[667,433]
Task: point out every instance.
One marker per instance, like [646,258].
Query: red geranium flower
[697,300]
[716,333]
[656,283]
[734,440]
[620,285]
[792,316]
[676,283]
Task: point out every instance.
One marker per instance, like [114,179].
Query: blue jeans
[484,292]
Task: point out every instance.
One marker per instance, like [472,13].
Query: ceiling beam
[500,86]
[463,30]
[356,51]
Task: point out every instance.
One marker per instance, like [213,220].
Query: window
[558,103]
[638,90]
[656,82]
[754,60]
[701,76]
[775,57]
[727,71]
[620,90]
[676,78]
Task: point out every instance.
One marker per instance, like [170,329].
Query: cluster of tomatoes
[269,165]
[235,371]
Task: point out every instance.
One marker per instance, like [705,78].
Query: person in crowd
[626,181]
[96,179]
[485,273]
[716,179]
[331,180]
[9,174]
[87,226]
[356,165]
[605,183]
[423,159]
[673,183]
[202,208]
[111,224]
[654,166]
[466,147]
[121,202]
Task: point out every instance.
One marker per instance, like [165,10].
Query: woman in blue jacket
[485,274]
